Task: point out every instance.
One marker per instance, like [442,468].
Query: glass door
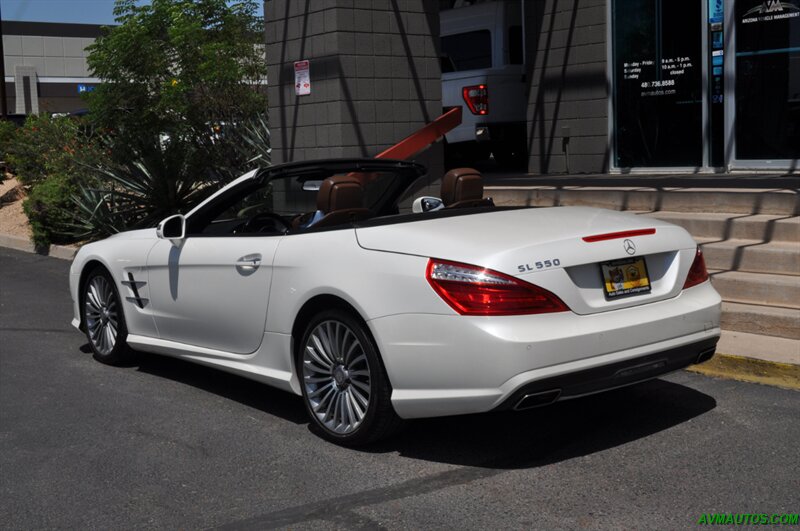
[766,123]
[657,83]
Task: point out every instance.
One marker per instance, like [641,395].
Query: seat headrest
[461,184]
[339,193]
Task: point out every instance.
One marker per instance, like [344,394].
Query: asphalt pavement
[167,444]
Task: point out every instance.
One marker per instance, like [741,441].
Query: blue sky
[73,11]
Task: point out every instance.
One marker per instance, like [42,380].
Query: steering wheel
[252,224]
[302,219]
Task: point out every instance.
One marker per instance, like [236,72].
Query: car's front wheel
[345,388]
[103,319]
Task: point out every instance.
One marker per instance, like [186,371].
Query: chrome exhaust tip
[706,355]
[533,400]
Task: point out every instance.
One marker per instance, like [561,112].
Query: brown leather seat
[463,187]
[341,200]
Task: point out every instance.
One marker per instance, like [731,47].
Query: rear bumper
[607,377]
[497,132]
[449,364]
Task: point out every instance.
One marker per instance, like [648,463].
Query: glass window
[658,83]
[767,79]
[467,51]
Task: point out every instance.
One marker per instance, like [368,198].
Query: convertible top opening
[331,194]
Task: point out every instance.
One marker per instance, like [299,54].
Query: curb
[784,375]
[19,243]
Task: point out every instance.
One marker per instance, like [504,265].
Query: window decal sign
[715,11]
[770,10]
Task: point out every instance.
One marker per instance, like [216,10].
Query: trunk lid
[545,246]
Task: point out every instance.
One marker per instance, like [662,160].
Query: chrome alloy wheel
[102,319]
[336,377]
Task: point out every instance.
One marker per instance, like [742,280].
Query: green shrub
[46,146]
[52,158]
[7,130]
[50,210]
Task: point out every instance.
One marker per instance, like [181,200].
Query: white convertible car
[317,278]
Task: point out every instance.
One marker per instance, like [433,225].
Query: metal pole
[3,104]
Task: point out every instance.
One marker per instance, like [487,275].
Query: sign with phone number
[659,83]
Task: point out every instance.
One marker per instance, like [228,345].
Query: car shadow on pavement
[247,392]
[565,430]
[503,440]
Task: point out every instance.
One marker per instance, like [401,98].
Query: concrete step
[763,320]
[781,202]
[757,288]
[782,258]
[724,226]
[767,348]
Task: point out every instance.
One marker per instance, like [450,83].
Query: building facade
[612,86]
[45,66]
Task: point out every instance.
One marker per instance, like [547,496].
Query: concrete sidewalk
[644,180]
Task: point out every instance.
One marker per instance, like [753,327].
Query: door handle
[249,262]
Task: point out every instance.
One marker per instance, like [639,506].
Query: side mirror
[426,204]
[312,186]
[172,228]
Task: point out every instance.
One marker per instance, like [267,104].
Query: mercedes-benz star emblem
[629,246]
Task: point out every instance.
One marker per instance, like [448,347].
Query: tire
[103,319]
[344,384]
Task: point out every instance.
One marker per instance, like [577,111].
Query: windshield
[288,198]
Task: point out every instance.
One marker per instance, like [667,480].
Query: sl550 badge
[544,264]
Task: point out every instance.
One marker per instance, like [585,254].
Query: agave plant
[254,142]
[157,182]
[167,175]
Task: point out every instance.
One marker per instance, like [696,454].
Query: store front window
[657,46]
[767,121]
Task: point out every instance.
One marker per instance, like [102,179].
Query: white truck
[483,72]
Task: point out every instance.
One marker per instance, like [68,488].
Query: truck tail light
[477,98]
[698,272]
[473,290]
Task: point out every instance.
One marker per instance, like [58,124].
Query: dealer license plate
[625,277]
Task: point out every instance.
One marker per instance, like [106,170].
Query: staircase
[750,239]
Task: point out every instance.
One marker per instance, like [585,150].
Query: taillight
[477,98]
[697,273]
[472,290]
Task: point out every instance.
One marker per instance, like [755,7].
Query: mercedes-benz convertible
[333,281]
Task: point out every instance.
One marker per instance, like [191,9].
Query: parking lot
[167,444]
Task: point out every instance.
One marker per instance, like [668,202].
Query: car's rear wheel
[103,319]
[344,384]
